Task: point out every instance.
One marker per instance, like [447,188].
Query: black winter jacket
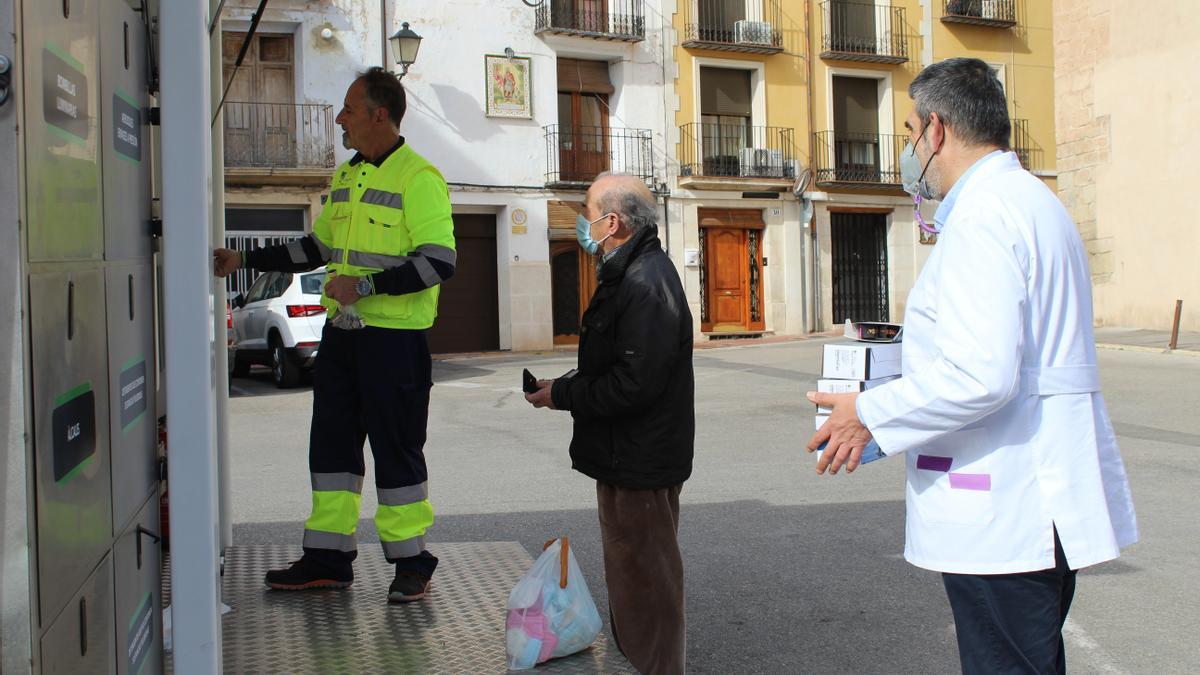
[633,396]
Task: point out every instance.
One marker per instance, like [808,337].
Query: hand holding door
[226,261]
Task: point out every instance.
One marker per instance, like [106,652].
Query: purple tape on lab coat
[971,481]
[934,463]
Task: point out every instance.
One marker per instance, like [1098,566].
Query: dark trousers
[644,573]
[372,383]
[1012,623]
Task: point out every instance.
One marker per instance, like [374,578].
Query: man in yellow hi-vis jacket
[387,239]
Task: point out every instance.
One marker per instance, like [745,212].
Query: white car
[278,324]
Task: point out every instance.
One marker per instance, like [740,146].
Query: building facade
[1121,158]
[519,107]
[790,119]
[770,131]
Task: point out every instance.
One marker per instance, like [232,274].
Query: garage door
[468,308]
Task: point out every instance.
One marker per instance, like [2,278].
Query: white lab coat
[999,412]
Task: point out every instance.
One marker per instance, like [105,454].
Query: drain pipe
[813,317]
[667,222]
[383,34]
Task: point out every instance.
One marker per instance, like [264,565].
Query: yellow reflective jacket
[374,219]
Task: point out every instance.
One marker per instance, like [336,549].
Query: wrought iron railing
[754,26]
[604,19]
[278,135]
[242,279]
[736,150]
[1022,144]
[576,155]
[862,31]
[999,13]
[856,159]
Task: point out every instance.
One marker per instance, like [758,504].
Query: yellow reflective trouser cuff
[334,511]
[402,528]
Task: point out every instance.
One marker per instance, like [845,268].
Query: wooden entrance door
[726,279]
[469,306]
[731,270]
[260,115]
[572,283]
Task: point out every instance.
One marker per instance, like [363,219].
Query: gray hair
[632,202]
[967,96]
[383,90]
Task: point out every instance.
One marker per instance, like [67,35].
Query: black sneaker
[305,574]
[407,587]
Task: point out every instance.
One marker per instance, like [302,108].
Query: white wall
[324,68]
[446,88]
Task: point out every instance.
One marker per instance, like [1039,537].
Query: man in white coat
[1014,477]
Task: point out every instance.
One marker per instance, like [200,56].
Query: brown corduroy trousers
[644,573]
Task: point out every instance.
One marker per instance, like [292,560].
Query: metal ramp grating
[457,628]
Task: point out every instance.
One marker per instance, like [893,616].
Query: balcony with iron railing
[994,13]
[750,26]
[576,155]
[620,20]
[721,155]
[278,139]
[1022,144]
[864,32]
[857,160]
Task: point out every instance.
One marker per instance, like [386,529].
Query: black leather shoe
[304,574]
[407,587]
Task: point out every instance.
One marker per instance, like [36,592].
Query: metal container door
[80,638]
[131,386]
[71,441]
[137,560]
[62,136]
[125,134]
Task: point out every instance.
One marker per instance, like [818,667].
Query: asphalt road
[787,572]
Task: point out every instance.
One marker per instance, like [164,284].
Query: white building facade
[575,89]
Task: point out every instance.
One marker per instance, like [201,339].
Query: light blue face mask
[583,232]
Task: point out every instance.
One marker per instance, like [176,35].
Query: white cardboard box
[821,420]
[848,387]
[861,361]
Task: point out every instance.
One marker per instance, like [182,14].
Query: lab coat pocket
[953,479]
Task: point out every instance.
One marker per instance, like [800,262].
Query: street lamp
[405,44]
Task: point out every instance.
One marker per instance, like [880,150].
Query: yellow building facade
[839,233]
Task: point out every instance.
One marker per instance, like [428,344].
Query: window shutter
[584,77]
[724,91]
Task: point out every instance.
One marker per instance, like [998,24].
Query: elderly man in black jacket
[632,399]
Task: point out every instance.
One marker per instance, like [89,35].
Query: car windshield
[311,284]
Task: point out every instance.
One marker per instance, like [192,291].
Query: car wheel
[283,370]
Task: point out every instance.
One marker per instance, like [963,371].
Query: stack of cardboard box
[856,367]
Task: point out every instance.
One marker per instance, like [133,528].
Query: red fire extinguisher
[163,502]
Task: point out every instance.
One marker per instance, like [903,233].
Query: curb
[1146,350]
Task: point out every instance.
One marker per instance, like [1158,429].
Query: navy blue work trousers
[372,383]
[1012,623]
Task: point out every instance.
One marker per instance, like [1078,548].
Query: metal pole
[1175,326]
[187,207]
[221,360]
[16,591]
